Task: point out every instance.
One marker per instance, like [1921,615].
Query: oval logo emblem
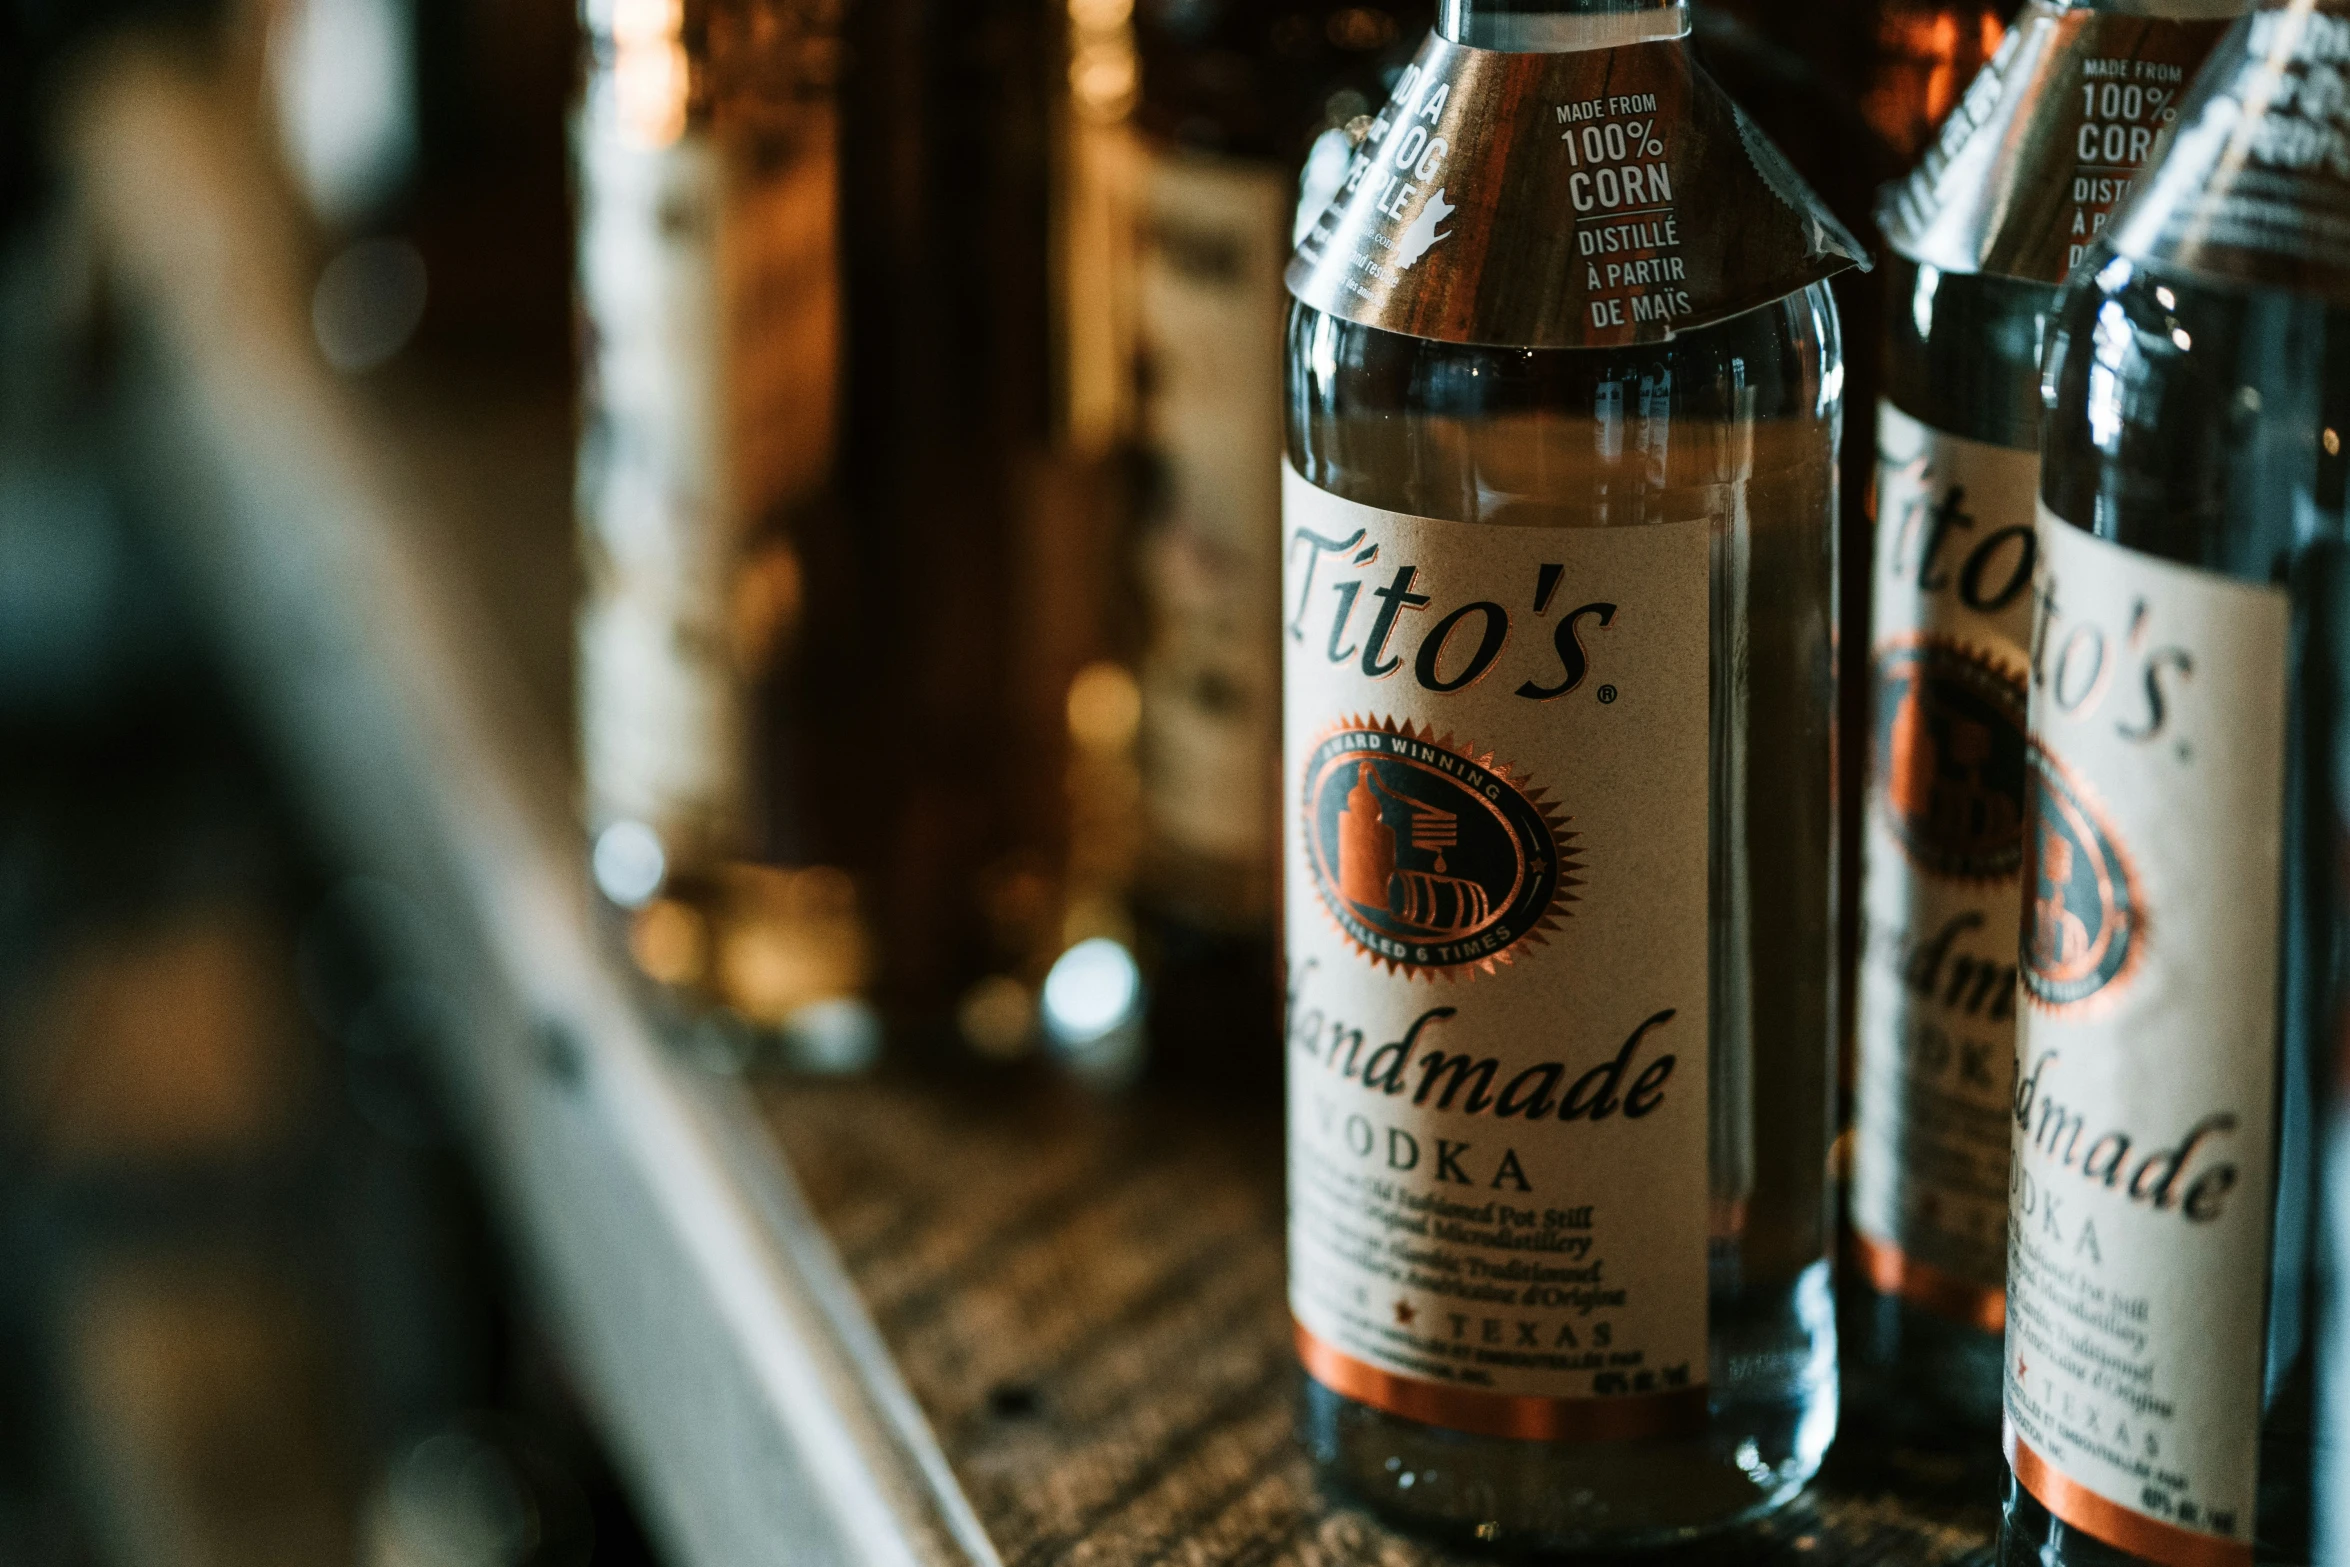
[2083,927]
[1430,860]
[1949,760]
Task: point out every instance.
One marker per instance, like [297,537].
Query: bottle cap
[2026,172]
[2256,188]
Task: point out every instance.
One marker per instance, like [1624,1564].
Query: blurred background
[832,444]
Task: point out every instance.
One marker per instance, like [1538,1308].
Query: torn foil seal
[1580,200]
[2257,189]
[2029,167]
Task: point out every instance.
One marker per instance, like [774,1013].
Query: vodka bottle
[2023,178]
[1558,615]
[2159,1357]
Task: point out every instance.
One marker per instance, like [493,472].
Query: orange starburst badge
[1430,858]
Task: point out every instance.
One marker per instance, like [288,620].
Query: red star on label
[1404,1314]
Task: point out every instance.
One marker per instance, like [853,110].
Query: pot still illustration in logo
[2083,924]
[1430,860]
[1949,763]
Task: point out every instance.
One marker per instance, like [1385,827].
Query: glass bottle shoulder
[1963,350]
[1562,437]
[2200,423]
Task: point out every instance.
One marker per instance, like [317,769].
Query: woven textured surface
[1088,1303]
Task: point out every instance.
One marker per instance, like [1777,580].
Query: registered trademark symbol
[1607,694]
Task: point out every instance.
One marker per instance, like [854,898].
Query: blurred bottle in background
[1980,238]
[949,611]
[1236,101]
[708,283]
[1194,120]
[1851,90]
[858,300]
[1133,928]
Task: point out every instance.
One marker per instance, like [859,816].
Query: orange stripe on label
[1623,1419]
[2116,1525]
[1892,1271]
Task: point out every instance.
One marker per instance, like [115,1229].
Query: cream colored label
[1215,238]
[2138,1243]
[1943,839]
[1495,853]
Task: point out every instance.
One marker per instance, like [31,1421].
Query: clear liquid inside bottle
[1736,424]
[2201,425]
[1963,356]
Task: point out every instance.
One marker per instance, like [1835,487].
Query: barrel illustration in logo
[1430,860]
[1948,767]
[2084,927]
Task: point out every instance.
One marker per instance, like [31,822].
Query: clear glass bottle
[1963,359]
[1852,91]
[1980,238]
[2215,459]
[2181,846]
[1732,427]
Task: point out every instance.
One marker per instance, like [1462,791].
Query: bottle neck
[1564,26]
